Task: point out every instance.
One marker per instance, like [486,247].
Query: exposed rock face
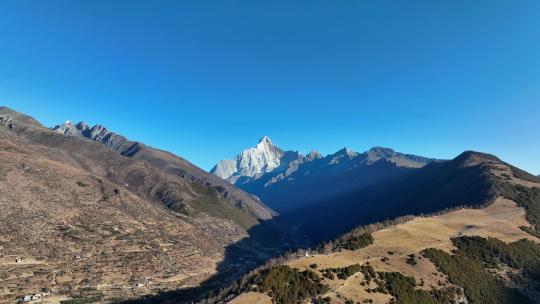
[98,133]
[313,155]
[263,158]
[287,180]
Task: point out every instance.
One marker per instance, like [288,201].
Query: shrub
[404,291]
[411,259]
[287,285]
[469,273]
[358,242]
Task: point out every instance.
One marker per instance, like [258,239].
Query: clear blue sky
[205,79]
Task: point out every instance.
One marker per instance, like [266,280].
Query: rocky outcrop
[263,158]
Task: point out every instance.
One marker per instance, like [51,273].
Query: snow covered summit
[262,158]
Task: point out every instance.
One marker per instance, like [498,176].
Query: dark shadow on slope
[435,187]
[313,184]
[269,239]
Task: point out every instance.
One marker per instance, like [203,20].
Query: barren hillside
[69,231]
[81,220]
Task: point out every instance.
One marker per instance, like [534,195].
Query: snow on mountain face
[263,158]
[225,168]
[286,180]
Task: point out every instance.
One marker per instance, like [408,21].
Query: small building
[19,260]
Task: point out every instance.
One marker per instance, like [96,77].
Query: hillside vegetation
[469,264]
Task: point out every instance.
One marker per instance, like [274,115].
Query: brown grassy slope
[80,234]
[501,219]
[152,174]
[177,166]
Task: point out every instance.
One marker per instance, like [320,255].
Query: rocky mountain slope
[488,252]
[288,180]
[83,219]
[175,166]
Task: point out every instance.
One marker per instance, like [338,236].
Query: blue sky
[205,79]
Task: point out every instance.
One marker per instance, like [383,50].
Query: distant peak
[266,140]
[382,152]
[69,128]
[346,151]
[81,125]
[471,157]
[265,143]
[342,154]
[69,124]
[313,155]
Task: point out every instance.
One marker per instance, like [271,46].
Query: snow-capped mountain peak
[284,179]
[265,140]
[262,158]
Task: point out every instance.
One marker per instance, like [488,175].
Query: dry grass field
[501,219]
[252,298]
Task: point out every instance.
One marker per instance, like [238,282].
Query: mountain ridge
[264,157]
[470,179]
[296,180]
[167,162]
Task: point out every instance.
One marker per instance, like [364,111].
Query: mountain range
[89,216]
[288,180]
